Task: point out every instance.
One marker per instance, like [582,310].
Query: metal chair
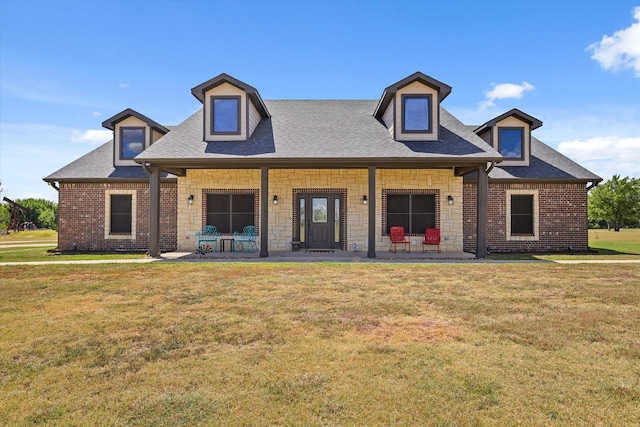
[208,233]
[245,241]
[397,236]
[431,237]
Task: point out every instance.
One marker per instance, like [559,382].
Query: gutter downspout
[54,186]
[593,184]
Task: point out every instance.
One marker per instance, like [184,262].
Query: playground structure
[17,216]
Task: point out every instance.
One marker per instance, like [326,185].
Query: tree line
[41,213]
[615,204]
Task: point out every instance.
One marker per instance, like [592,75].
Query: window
[230,212]
[131,141]
[522,214]
[414,212]
[225,115]
[511,142]
[121,213]
[416,113]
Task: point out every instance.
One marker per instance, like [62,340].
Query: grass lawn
[25,246]
[604,245]
[320,344]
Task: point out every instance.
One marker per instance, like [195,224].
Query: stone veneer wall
[283,182]
[562,218]
[81,213]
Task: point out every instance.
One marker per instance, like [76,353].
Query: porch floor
[320,256]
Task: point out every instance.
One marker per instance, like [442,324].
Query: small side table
[223,243]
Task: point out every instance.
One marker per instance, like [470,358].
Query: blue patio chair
[208,233]
[245,241]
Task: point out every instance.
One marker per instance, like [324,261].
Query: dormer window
[510,134]
[132,134]
[416,110]
[410,108]
[511,142]
[232,110]
[225,115]
[132,140]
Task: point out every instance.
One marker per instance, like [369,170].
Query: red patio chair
[431,237]
[396,234]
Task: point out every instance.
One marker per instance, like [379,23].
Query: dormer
[132,134]
[410,108]
[510,135]
[232,109]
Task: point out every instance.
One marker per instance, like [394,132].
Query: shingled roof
[325,133]
[97,165]
[335,133]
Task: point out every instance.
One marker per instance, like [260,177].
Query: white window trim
[107,215]
[536,216]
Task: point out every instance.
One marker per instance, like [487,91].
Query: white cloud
[605,156]
[621,50]
[96,114]
[123,85]
[92,136]
[504,91]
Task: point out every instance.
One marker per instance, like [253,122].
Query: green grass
[320,344]
[603,244]
[27,246]
[625,241]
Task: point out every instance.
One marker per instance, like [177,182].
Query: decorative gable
[132,134]
[510,135]
[232,109]
[410,108]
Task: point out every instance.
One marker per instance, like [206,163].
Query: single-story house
[329,174]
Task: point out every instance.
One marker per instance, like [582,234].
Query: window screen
[120,213]
[230,212]
[414,212]
[522,214]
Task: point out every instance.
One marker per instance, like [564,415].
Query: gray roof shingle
[320,130]
[97,165]
[323,131]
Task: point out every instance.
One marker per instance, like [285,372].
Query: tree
[617,202]
[42,213]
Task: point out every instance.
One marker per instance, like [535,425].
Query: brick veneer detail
[562,218]
[82,214]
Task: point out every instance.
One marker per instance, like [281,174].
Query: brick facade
[82,216]
[561,218]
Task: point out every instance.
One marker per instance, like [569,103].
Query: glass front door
[319,221]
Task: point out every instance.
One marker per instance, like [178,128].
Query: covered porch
[276,220]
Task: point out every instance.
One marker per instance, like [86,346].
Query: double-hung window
[416,113]
[225,115]
[230,212]
[511,142]
[121,213]
[414,212]
[131,141]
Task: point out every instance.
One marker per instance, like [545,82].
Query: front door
[319,220]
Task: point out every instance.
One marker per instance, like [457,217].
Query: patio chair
[397,236]
[208,233]
[245,241]
[431,237]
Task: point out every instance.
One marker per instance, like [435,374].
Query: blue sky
[65,66]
